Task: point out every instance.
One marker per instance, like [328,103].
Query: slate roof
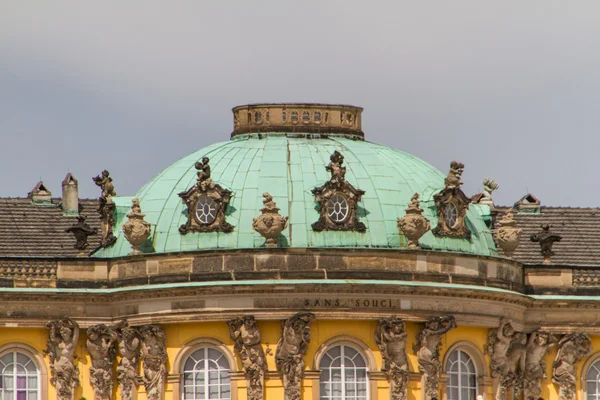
[38,230]
[579,228]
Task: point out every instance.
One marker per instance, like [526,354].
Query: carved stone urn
[414,225]
[270,224]
[508,234]
[136,230]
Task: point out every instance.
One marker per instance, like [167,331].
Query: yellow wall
[178,335]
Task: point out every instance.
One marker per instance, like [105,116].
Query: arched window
[462,376]
[343,374]
[593,381]
[20,378]
[206,375]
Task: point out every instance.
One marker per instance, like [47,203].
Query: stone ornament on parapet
[508,235]
[452,205]
[106,208]
[414,225]
[546,239]
[270,223]
[136,230]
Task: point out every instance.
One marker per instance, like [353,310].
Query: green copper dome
[289,166]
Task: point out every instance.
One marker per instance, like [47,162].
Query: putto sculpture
[507,350]
[414,225]
[136,230]
[101,347]
[489,186]
[546,239]
[270,224]
[292,346]
[508,234]
[427,348]
[572,348]
[106,208]
[246,336]
[338,200]
[390,337]
[206,203]
[129,350]
[538,345]
[81,230]
[452,205]
[62,341]
[453,180]
[154,357]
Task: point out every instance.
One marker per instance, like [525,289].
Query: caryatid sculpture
[154,355]
[538,344]
[290,350]
[101,346]
[427,348]
[390,337]
[507,357]
[246,336]
[572,348]
[62,342]
[129,350]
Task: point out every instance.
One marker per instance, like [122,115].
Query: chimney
[40,194]
[70,195]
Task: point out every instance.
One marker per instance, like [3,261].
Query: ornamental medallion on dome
[338,200]
[452,205]
[207,203]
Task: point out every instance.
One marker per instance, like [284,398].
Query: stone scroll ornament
[246,336]
[338,200]
[452,205]
[106,208]
[507,350]
[538,345]
[154,357]
[270,224]
[414,225]
[101,345]
[136,230]
[129,343]
[508,235]
[63,336]
[427,349]
[206,203]
[572,348]
[390,337]
[292,346]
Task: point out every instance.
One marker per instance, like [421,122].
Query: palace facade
[297,260]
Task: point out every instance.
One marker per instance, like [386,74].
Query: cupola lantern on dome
[301,118]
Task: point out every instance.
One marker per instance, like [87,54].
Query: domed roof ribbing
[289,166]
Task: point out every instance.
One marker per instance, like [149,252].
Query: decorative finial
[414,225]
[136,230]
[105,182]
[508,234]
[81,230]
[546,239]
[270,224]
[453,179]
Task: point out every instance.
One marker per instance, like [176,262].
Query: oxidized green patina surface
[289,168]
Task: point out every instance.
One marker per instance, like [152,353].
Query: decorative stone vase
[508,234]
[270,224]
[414,225]
[136,230]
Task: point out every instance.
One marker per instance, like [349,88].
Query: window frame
[589,363]
[343,368]
[38,360]
[460,363]
[483,379]
[205,370]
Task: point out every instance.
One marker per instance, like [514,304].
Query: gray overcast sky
[510,88]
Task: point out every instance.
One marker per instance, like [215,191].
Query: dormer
[528,204]
[40,194]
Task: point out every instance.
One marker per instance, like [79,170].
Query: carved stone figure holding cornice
[452,205]
[390,337]
[546,239]
[206,202]
[414,225]
[572,348]
[106,208]
[538,344]
[507,357]
[246,336]
[62,342]
[270,224]
[101,346]
[508,235]
[81,230]
[154,356]
[338,200]
[427,349]
[291,348]
[136,230]
[129,350]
